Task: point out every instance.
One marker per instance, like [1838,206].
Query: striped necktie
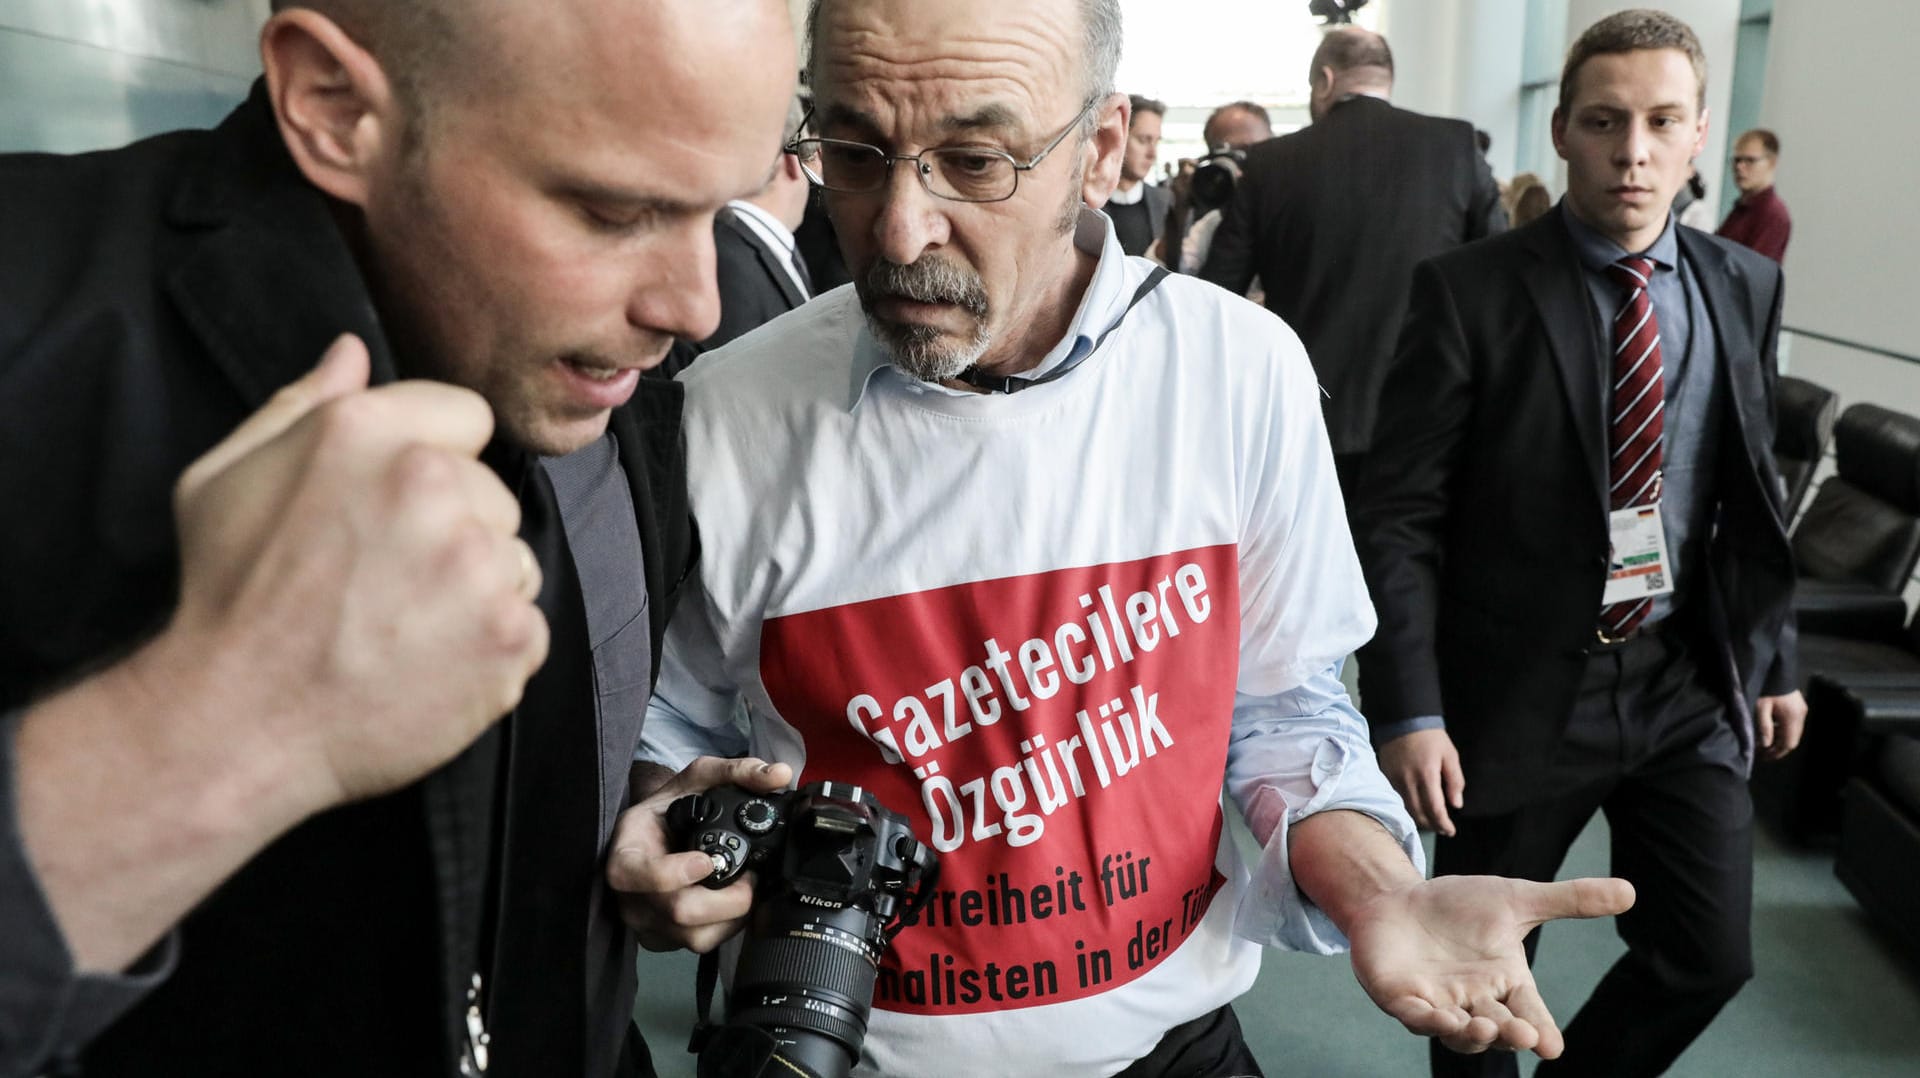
[1639,410]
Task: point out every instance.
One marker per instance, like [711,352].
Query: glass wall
[1749,82]
[1545,48]
[90,74]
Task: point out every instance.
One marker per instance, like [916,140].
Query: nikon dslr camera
[838,876]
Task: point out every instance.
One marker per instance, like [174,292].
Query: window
[1545,49]
[1749,83]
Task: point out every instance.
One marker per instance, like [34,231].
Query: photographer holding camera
[1040,548]
[1197,206]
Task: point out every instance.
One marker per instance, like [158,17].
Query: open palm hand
[1445,956]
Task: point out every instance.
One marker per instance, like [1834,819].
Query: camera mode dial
[757,817]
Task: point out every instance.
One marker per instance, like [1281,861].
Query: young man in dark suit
[1332,218]
[1138,207]
[259,812]
[1571,527]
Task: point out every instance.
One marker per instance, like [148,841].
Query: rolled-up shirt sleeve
[1297,745]
[49,1009]
[1293,754]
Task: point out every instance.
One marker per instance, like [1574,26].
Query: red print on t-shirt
[1060,740]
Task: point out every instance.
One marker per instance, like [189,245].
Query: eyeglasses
[1744,159]
[958,173]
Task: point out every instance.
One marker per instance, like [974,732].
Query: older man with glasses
[1042,548]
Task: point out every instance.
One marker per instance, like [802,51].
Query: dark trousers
[1210,1046]
[1648,745]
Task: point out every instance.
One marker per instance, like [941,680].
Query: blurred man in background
[1195,211]
[1139,208]
[1332,218]
[1759,219]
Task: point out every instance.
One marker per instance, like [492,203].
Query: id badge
[1638,566]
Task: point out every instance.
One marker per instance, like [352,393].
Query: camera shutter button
[756,817]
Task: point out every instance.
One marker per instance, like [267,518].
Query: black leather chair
[1800,796]
[1802,427]
[1880,825]
[1857,544]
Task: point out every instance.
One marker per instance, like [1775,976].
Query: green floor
[1828,998]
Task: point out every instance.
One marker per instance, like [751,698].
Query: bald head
[546,231]
[1237,125]
[1353,53]
[416,41]
[1349,61]
[1099,34]
[479,53]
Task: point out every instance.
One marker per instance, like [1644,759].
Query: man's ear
[334,105]
[1106,149]
[1558,125]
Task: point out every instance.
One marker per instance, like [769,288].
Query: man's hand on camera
[659,890]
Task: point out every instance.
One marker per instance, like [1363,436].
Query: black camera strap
[925,871]
[1013,383]
[705,976]
[746,1051]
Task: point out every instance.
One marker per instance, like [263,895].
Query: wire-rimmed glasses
[959,173]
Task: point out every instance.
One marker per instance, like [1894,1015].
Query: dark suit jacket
[755,288]
[819,247]
[1154,201]
[1481,518]
[154,296]
[1332,218]
[1158,201]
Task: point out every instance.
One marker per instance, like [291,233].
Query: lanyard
[1012,383]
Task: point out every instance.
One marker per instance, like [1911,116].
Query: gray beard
[924,352]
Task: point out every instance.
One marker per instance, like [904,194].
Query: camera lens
[1212,186]
[836,870]
[803,972]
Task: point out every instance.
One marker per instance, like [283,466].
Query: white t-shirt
[1047,627]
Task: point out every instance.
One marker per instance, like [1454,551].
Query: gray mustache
[929,280]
